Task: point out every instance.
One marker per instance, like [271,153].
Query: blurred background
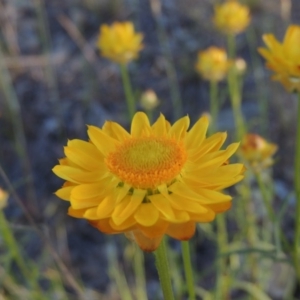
[53,82]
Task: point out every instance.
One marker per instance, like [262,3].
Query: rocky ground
[54,83]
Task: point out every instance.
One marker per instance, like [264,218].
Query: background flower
[213,64]
[119,42]
[284,58]
[155,180]
[257,151]
[231,17]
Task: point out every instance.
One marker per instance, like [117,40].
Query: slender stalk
[117,274]
[44,238]
[297,190]
[128,91]
[235,91]
[231,46]
[265,196]
[163,271]
[139,271]
[214,106]
[185,246]
[12,245]
[222,244]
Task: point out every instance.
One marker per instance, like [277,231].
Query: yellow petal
[217,159]
[159,128]
[181,203]
[203,218]
[147,214]
[65,192]
[212,196]
[91,214]
[220,207]
[76,213]
[104,226]
[127,225]
[106,207]
[83,160]
[104,143]
[90,190]
[145,243]
[154,231]
[181,232]
[121,192]
[116,130]
[185,191]
[85,203]
[179,128]
[211,144]
[271,42]
[197,133]
[119,216]
[77,175]
[140,125]
[163,205]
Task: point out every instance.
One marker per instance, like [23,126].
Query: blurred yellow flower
[212,64]
[149,100]
[119,42]
[3,198]
[231,17]
[284,58]
[155,180]
[257,151]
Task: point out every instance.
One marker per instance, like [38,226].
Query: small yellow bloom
[257,151]
[231,17]
[119,42]
[149,100]
[212,64]
[240,66]
[284,58]
[155,180]
[3,198]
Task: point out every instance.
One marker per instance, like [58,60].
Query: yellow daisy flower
[231,17]
[284,58]
[213,64]
[155,180]
[119,42]
[257,152]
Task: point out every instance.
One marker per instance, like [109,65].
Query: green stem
[222,245]
[12,245]
[128,91]
[265,196]
[139,271]
[297,190]
[188,269]
[163,271]
[231,46]
[235,91]
[214,107]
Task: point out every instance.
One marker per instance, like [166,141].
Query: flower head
[149,100]
[231,17]
[257,152]
[212,64]
[3,198]
[284,58]
[155,180]
[119,42]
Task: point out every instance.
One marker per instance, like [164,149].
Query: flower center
[147,162]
